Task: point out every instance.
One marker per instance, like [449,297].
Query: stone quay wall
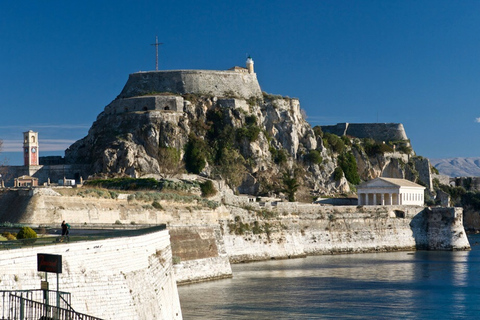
[204,242]
[216,83]
[307,230]
[120,278]
[199,253]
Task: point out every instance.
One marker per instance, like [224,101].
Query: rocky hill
[458,167]
[260,144]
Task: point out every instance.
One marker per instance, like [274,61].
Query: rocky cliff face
[261,145]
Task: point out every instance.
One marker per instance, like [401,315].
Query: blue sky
[410,62]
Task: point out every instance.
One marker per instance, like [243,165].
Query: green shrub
[373,147]
[251,120]
[405,149]
[313,157]
[278,156]
[256,229]
[208,189]
[122,184]
[195,155]
[27,234]
[157,205]
[9,236]
[250,133]
[334,142]
[337,174]
[348,163]
[252,101]
[318,131]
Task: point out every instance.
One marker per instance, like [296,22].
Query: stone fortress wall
[45,173]
[204,241]
[208,82]
[375,131]
[119,278]
[146,103]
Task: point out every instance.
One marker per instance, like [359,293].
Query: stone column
[382,199]
[391,198]
[374,199]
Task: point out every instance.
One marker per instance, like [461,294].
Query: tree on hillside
[169,161]
[195,154]
[290,184]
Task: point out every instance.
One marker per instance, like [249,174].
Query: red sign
[49,262]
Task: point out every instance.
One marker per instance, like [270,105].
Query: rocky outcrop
[252,141]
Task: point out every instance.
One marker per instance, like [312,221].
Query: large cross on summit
[156,44]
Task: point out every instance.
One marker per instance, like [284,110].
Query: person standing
[65,229]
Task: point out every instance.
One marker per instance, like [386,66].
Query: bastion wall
[120,278]
[375,131]
[216,83]
[295,231]
[205,241]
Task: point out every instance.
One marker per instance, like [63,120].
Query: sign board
[49,262]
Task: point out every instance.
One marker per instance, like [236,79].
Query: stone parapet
[207,82]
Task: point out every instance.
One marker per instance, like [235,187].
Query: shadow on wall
[13,205]
[419,226]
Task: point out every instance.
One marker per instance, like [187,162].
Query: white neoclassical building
[390,191]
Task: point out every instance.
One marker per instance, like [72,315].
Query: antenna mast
[156,44]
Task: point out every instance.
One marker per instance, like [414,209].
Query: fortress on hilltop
[375,131]
[160,90]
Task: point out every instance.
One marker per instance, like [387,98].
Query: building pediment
[389,183]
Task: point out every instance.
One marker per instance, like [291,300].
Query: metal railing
[59,240]
[24,305]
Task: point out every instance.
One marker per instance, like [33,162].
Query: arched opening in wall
[33,138]
[145,108]
[77,176]
[400,214]
[166,108]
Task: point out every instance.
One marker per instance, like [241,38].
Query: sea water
[394,285]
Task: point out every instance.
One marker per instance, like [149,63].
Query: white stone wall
[203,269]
[345,229]
[121,278]
[44,209]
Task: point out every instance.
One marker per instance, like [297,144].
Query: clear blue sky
[412,62]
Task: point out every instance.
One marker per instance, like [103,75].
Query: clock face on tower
[34,150]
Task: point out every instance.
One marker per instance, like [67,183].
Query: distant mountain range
[458,167]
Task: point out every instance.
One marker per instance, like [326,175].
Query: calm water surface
[397,285]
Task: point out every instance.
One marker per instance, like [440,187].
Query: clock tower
[30,148]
